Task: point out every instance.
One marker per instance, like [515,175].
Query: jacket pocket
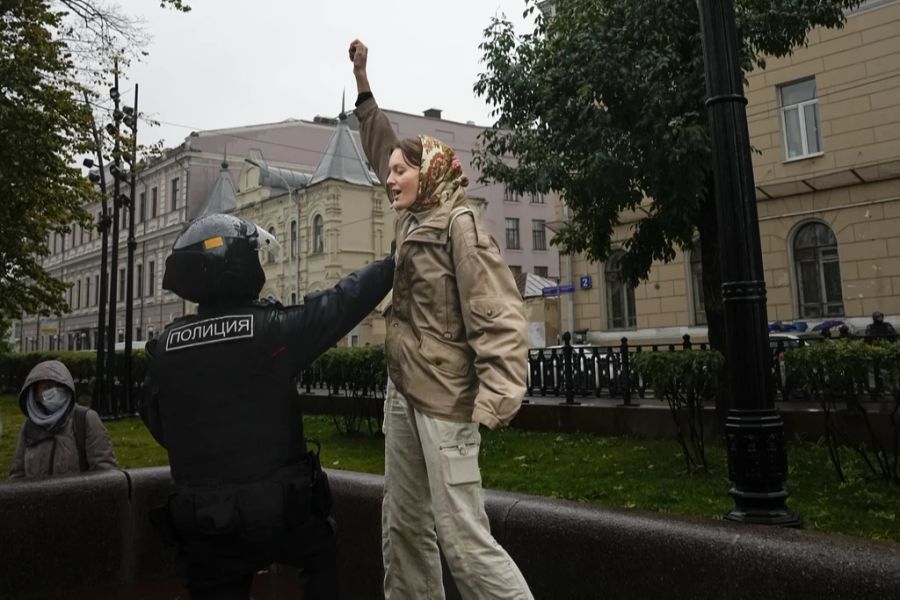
[443,357]
[485,312]
[460,462]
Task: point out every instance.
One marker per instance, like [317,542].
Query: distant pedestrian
[59,437]
[879,327]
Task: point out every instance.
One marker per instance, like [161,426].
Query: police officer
[220,397]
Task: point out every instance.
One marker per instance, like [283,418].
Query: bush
[15,366]
[686,380]
[355,371]
[837,375]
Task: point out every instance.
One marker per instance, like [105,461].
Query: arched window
[293,239]
[264,256]
[818,272]
[318,235]
[619,295]
[697,301]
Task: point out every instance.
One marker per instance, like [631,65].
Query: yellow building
[826,124]
[330,222]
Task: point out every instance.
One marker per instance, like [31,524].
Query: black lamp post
[130,120]
[118,177]
[100,389]
[757,460]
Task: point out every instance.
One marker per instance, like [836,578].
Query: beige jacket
[456,332]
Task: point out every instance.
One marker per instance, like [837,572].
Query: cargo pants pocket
[460,462]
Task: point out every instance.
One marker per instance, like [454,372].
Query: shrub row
[15,366]
[354,371]
[843,376]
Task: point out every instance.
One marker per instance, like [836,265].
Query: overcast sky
[241,62]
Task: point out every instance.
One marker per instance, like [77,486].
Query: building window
[542,272]
[151,279]
[620,312]
[818,272]
[139,288]
[536,198]
[696,265]
[96,290]
[154,202]
[538,234]
[318,235]
[266,256]
[510,195]
[137,333]
[82,234]
[142,206]
[293,298]
[87,291]
[800,118]
[78,294]
[175,194]
[512,234]
[293,239]
[516,270]
[121,291]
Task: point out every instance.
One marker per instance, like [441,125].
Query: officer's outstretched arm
[327,316]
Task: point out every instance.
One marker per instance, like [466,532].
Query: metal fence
[608,371]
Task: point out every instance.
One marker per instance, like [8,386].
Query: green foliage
[52,54]
[45,125]
[687,381]
[358,371]
[15,366]
[836,375]
[604,103]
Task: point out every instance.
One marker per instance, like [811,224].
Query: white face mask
[54,398]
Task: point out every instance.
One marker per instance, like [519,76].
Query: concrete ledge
[62,533]
[76,532]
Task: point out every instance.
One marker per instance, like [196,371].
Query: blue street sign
[586,283]
[567,289]
[550,291]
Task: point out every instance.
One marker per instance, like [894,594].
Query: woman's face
[403,180]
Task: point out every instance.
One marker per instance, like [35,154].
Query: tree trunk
[712,289]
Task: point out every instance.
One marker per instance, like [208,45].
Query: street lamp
[118,176]
[130,120]
[757,460]
[100,392]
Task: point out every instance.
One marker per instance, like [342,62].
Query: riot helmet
[215,260]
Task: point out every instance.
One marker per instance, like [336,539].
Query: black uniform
[220,396]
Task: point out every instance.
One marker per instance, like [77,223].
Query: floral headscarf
[439,176]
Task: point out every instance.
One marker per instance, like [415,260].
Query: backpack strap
[80,424]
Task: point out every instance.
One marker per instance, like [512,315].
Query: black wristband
[363,96]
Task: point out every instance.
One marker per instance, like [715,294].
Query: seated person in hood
[59,436]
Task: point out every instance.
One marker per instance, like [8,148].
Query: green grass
[604,471]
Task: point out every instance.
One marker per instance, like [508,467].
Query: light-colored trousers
[432,493]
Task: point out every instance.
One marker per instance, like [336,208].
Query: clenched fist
[359,54]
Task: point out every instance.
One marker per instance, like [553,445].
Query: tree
[45,54]
[604,103]
[44,127]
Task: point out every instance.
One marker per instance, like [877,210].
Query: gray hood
[49,370]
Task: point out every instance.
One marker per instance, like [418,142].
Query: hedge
[15,366]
